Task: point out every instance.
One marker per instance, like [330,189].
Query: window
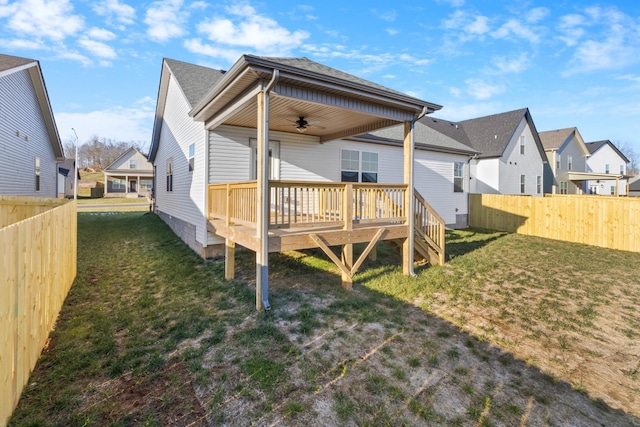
[458,177]
[593,189]
[170,174]
[119,184]
[522,144]
[522,184]
[569,163]
[146,184]
[192,153]
[606,168]
[37,172]
[613,190]
[538,184]
[352,169]
[621,169]
[558,160]
[132,163]
[564,187]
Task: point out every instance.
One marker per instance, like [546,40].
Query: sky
[572,63]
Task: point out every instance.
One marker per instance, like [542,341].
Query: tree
[630,152]
[98,153]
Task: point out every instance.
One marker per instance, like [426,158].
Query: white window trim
[360,169]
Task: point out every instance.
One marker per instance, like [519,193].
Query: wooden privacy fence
[38,255]
[608,222]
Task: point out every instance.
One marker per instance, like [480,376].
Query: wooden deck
[320,215]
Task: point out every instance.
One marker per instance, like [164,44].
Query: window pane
[369,162]
[458,170]
[369,177]
[457,185]
[192,150]
[349,176]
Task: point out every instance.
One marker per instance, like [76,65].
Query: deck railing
[429,226]
[303,203]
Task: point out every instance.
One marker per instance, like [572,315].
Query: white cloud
[197,46]
[369,62]
[19,44]
[537,14]
[113,9]
[603,38]
[518,29]
[245,27]
[454,3]
[100,34]
[132,123]
[455,91]
[513,65]
[388,16]
[457,112]
[43,19]
[392,31]
[630,77]
[166,20]
[482,90]
[470,25]
[99,49]
[479,25]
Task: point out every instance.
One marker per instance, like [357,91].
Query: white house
[129,175]
[30,146]
[185,163]
[566,171]
[606,158]
[509,154]
[270,137]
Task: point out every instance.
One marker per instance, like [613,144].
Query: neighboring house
[266,143]
[606,158]
[130,175]
[510,157]
[30,146]
[566,170]
[634,186]
[66,181]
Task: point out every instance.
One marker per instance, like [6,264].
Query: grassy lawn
[512,331]
[109,201]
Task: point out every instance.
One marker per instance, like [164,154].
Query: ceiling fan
[302,124]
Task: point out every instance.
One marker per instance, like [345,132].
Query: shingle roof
[309,65]
[195,80]
[429,137]
[553,139]
[8,62]
[490,135]
[634,185]
[596,145]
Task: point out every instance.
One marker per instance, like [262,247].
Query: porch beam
[233,107]
[359,130]
[347,249]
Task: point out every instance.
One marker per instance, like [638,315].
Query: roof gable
[557,140]
[194,80]
[130,153]
[490,135]
[595,146]
[10,64]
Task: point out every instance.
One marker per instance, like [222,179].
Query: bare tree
[98,153]
[630,152]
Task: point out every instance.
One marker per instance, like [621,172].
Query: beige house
[130,175]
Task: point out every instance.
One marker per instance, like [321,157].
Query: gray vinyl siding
[186,201]
[20,112]
[513,164]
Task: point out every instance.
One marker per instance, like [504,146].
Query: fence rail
[38,266]
[608,222]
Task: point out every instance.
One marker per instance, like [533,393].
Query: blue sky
[572,63]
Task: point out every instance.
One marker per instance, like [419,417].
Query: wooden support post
[262,214]
[407,245]
[347,250]
[229,259]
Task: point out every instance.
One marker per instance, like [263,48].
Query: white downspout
[262,267]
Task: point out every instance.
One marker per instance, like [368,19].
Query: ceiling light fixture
[302,125]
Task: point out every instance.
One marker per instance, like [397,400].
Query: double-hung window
[458,177]
[192,154]
[37,172]
[132,163]
[169,174]
[606,168]
[522,144]
[538,184]
[564,187]
[569,163]
[522,184]
[358,166]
